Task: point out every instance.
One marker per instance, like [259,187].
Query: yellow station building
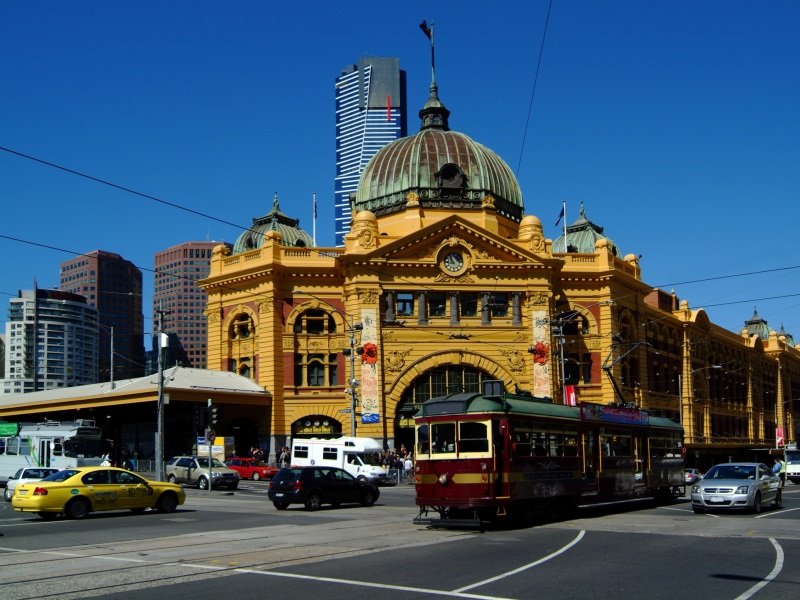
[444,281]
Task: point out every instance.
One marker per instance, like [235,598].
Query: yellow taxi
[75,492]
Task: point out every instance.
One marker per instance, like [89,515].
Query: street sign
[201,440]
[344,411]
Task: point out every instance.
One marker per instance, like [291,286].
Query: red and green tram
[483,456]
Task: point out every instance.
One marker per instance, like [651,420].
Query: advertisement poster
[370,405]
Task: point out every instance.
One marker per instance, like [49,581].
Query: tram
[59,444]
[481,457]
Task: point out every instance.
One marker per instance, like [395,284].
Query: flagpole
[564,211]
[314,219]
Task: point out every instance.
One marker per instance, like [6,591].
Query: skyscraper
[114,286]
[370,113]
[52,341]
[182,303]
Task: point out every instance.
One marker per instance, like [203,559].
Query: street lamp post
[353,381]
[163,339]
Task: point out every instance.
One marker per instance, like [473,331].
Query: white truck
[359,456]
[792,463]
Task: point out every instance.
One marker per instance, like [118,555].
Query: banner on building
[370,403]
[540,351]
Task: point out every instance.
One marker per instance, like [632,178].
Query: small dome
[757,326]
[530,221]
[582,237]
[365,216]
[287,229]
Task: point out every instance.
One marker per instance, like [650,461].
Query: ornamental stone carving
[368,297]
[516,360]
[412,199]
[395,360]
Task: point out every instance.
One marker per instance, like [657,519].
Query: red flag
[570,395]
[426,30]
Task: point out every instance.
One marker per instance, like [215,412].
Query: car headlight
[696,489]
[742,489]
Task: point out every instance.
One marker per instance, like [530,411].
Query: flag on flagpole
[570,395]
[426,30]
[560,215]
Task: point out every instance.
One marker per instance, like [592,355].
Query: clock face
[453,262]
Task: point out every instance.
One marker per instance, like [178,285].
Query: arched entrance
[437,381]
[316,426]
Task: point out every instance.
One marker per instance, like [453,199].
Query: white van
[361,457]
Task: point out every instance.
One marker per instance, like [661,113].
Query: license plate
[279,495]
[716,499]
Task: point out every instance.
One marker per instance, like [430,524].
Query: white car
[24,475]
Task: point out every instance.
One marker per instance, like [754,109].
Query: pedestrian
[409,466]
[782,472]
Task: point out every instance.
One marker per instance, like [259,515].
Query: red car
[250,468]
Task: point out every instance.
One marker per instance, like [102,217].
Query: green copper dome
[581,237]
[445,169]
[274,220]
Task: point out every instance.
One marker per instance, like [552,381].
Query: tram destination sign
[603,413]
[8,429]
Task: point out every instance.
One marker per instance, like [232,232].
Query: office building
[114,286]
[370,113]
[51,341]
[181,303]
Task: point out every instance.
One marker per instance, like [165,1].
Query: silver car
[731,486]
[26,475]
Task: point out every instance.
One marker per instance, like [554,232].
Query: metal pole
[112,358]
[352,380]
[160,405]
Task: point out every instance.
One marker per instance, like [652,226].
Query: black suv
[315,486]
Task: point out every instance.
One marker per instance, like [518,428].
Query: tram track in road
[76,571]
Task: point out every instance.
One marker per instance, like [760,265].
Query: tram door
[499,435]
[45,446]
[591,461]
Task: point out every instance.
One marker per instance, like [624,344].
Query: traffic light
[213,414]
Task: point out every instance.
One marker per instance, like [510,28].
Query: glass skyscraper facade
[370,113]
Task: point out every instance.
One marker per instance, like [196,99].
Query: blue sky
[676,124]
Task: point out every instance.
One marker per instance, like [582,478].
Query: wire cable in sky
[533,91]
[730,276]
[120,187]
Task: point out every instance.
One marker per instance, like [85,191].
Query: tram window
[473,437]
[616,445]
[422,440]
[12,447]
[58,449]
[443,437]
[2,445]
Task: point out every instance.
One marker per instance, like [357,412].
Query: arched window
[242,327]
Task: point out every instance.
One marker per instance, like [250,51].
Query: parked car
[75,492]
[250,468]
[736,486]
[692,476]
[315,486]
[194,470]
[24,475]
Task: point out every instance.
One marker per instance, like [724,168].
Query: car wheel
[47,516]
[281,505]
[362,479]
[167,502]
[202,483]
[256,476]
[7,493]
[313,501]
[172,479]
[778,502]
[368,498]
[757,503]
[77,508]
[698,510]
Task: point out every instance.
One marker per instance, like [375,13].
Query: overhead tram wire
[533,91]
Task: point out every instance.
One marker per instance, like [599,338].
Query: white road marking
[772,574]
[528,566]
